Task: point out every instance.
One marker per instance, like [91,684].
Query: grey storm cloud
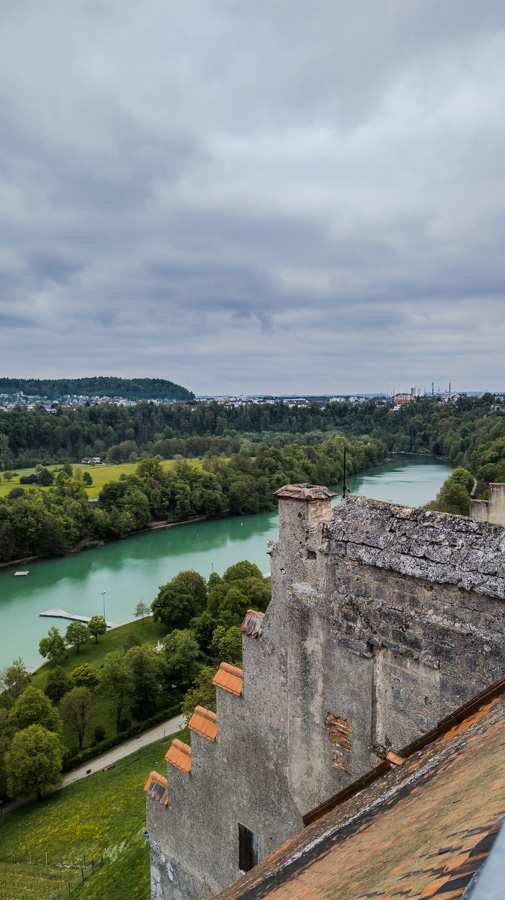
[275,196]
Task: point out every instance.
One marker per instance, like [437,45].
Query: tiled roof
[156,787]
[420,831]
[179,755]
[305,492]
[204,722]
[229,678]
[252,623]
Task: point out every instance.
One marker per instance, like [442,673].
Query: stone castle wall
[492,510]
[383,619]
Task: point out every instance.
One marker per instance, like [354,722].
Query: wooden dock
[58,613]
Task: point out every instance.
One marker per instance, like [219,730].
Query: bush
[124,725]
[99,733]
[77,759]
[71,752]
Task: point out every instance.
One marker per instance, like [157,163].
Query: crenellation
[383,620]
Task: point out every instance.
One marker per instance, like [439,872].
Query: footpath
[108,759]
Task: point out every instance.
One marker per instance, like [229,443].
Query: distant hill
[131,388]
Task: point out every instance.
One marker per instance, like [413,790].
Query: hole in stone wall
[311,554]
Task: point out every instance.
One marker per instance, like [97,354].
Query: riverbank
[93,545]
[133,569]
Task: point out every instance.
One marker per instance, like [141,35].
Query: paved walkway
[110,757]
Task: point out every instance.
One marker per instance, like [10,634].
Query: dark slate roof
[422,829]
[436,546]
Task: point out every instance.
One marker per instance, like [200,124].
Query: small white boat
[17,574]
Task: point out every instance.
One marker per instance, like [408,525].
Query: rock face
[383,620]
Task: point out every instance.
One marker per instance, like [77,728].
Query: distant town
[74,401]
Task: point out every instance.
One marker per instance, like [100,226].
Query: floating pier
[58,613]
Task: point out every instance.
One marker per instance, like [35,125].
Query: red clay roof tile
[229,678]
[156,787]
[179,755]
[204,722]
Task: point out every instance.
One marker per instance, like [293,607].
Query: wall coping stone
[437,547]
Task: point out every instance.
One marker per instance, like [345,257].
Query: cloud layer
[275,196]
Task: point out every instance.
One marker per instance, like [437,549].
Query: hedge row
[72,762]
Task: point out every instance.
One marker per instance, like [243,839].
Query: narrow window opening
[247,848]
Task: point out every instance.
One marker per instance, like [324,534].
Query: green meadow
[101,475]
[102,815]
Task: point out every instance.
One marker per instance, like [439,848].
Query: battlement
[383,620]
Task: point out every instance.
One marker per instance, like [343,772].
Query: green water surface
[132,570]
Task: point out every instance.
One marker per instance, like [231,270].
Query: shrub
[99,733]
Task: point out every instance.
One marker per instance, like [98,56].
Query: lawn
[103,814]
[101,475]
[146,629]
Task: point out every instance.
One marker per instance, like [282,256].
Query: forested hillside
[464,432]
[132,389]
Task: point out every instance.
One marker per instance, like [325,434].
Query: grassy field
[102,814]
[148,631]
[101,475]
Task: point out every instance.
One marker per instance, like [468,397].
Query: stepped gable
[179,755]
[156,787]
[252,623]
[204,722]
[229,678]
[438,547]
[421,829]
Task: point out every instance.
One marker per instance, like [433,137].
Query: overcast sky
[250,197]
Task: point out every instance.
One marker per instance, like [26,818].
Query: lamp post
[103,601]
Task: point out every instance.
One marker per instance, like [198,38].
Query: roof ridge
[206,713]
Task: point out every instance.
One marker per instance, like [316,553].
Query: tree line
[454,430]
[59,519]
[97,386]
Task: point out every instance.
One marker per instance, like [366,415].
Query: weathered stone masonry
[383,619]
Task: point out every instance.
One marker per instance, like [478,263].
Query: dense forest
[248,452]
[131,389]
[464,432]
[59,519]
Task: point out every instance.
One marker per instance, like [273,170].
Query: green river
[132,570]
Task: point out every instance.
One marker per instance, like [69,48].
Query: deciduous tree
[78,710]
[53,646]
[116,683]
[77,634]
[142,609]
[33,762]
[34,708]
[14,678]
[57,685]
[201,693]
[85,676]
[97,625]
[182,655]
